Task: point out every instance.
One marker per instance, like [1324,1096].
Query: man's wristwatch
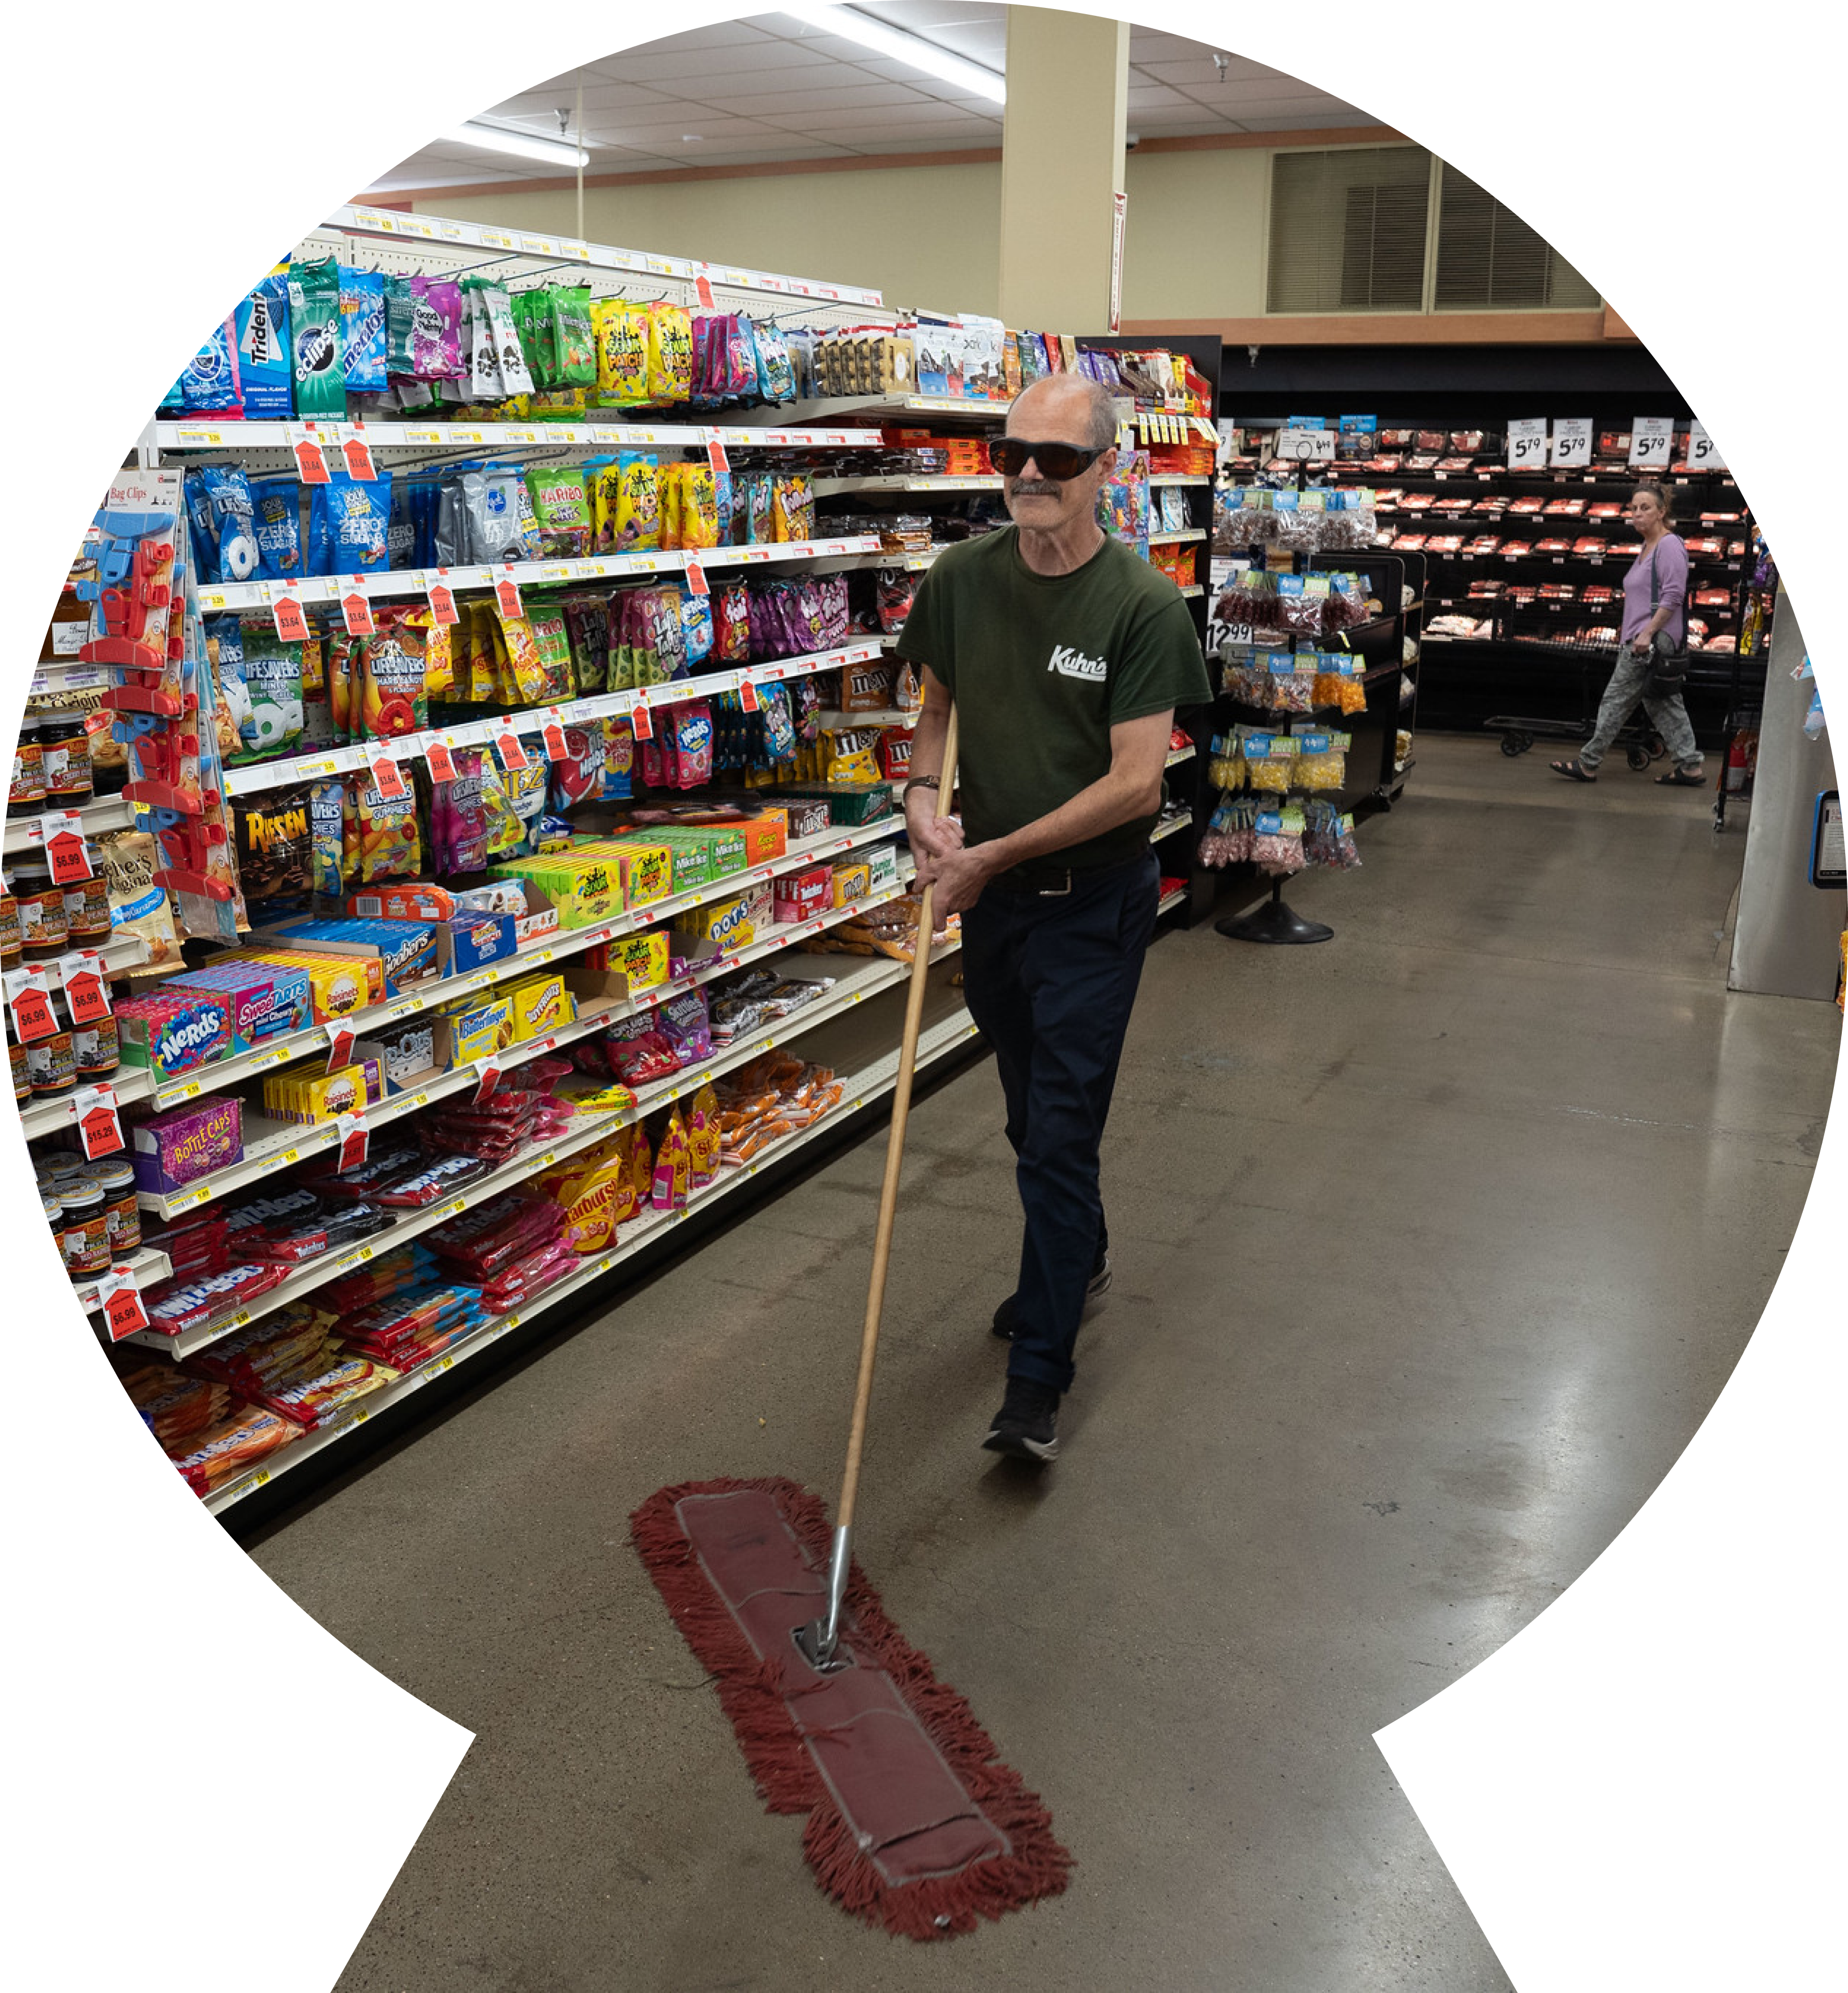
[919,782]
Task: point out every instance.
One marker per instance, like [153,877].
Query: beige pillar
[1061,165]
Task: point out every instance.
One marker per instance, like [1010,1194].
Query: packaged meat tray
[1570,509]
[1470,441]
[1527,505]
[1511,549]
[1487,544]
[1590,544]
[1554,546]
[1454,463]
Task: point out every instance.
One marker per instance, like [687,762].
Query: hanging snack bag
[670,354]
[621,332]
[731,623]
[775,375]
[348,525]
[689,737]
[791,514]
[480,353]
[522,654]
[436,340]
[578,778]
[587,628]
[276,518]
[503,832]
[562,509]
[618,759]
[758,488]
[126,860]
[392,698]
[574,339]
[461,844]
[274,849]
[699,506]
[401,322]
[516,376]
[385,830]
[314,317]
[326,837]
[638,504]
[673,1167]
[532,321]
[551,639]
[363,330]
[209,384]
[272,723]
[343,701]
[226,493]
[779,725]
[261,342]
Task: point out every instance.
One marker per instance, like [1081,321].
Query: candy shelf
[870,1083]
[411,581]
[1169,901]
[837,488]
[1177,755]
[148,1267]
[854,983]
[278,1145]
[895,409]
[442,989]
[1165,478]
[1168,825]
[56,675]
[103,813]
[47,1117]
[1176,539]
[890,716]
[118,958]
[480,733]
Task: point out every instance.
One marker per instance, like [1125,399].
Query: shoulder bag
[1668,659]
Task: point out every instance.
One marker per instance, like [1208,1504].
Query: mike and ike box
[582,887]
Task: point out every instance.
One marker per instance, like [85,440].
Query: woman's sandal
[1680,778]
[1571,771]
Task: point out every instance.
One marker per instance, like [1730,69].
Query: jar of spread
[26,797]
[96,1048]
[21,1072]
[54,1214]
[86,1229]
[43,931]
[86,911]
[64,740]
[51,1064]
[120,1207]
[12,949]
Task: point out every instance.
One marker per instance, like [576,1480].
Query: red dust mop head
[912,1823]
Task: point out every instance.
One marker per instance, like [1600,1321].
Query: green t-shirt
[1041,667]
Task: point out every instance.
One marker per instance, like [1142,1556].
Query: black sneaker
[1027,1426]
[1007,1317]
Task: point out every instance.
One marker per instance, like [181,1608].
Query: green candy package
[401,319]
[263,692]
[533,323]
[573,339]
[562,508]
[314,321]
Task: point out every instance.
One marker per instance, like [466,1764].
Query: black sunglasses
[1010,455]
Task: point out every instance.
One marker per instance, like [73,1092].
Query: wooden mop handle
[895,1151]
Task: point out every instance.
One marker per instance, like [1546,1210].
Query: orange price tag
[442,602]
[553,733]
[28,997]
[339,1046]
[747,694]
[696,579]
[358,454]
[643,721]
[388,778]
[311,462]
[98,1130]
[356,611]
[506,595]
[715,450]
[62,834]
[513,755]
[353,1138]
[487,1080]
[122,1308]
[438,761]
[292,625]
[702,290]
[86,989]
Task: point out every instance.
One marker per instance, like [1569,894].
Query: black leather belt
[1048,881]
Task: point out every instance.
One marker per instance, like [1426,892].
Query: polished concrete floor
[1434,1244]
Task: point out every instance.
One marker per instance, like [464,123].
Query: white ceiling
[772,88]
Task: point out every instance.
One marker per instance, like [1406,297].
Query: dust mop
[913,1823]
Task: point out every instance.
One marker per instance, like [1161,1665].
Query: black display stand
[1273,922]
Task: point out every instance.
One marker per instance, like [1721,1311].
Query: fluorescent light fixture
[523,145]
[852,25]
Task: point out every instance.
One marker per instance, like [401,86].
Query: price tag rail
[871,1083]
[838,487]
[407,583]
[50,1117]
[101,813]
[1175,539]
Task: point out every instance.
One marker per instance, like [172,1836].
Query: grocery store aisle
[1434,1244]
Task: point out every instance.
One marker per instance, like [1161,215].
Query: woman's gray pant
[1669,717]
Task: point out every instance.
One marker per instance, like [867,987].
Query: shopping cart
[1639,742]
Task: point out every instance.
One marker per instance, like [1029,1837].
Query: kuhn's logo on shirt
[1071,663]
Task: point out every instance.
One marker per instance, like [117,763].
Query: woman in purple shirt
[1655,598]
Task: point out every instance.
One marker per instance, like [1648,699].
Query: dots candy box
[173,1034]
[173,1149]
[264,1001]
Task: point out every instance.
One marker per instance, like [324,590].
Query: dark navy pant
[1050,980]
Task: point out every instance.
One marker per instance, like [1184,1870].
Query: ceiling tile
[1309,121]
[719,35]
[925,16]
[645,67]
[1147,96]
[869,96]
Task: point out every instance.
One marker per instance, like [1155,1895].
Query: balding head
[1067,393]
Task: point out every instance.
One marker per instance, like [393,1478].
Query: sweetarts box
[263,1002]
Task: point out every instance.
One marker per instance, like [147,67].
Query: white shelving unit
[103,813]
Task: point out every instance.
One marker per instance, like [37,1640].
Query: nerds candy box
[173,1034]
